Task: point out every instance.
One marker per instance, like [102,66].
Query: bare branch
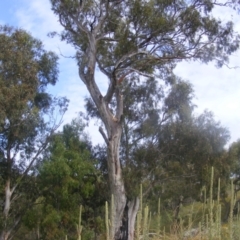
[119,110]
[102,18]
[111,88]
[80,26]
[107,39]
[103,134]
[103,70]
[128,56]
[72,57]
[39,152]
[112,85]
[141,73]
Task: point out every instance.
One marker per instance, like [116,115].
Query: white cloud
[217,90]
[37,18]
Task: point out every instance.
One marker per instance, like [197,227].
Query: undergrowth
[196,221]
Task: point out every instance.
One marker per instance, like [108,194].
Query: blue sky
[217,90]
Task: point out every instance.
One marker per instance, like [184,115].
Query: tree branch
[103,135]
[128,56]
[119,111]
[102,18]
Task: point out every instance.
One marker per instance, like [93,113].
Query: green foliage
[25,69]
[166,29]
[166,147]
[234,157]
[68,178]
[26,120]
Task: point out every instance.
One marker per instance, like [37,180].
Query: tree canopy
[27,119]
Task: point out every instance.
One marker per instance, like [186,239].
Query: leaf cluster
[27,119]
[67,179]
[25,71]
[143,36]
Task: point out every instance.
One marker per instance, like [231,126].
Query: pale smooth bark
[113,128]
[4,235]
[8,195]
[112,138]
[133,207]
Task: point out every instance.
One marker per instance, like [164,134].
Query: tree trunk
[116,181]
[113,126]
[124,214]
[4,235]
[133,207]
[8,194]
[119,224]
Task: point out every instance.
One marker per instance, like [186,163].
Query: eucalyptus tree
[234,158]
[191,149]
[25,71]
[150,112]
[126,38]
[164,145]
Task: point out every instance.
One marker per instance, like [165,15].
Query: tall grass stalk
[209,228]
[218,211]
[211,206]
[145,223]
[139,216]
[107,221]
[138,223]
[204,205]
[79,226]
[238,205]
[181,227]
[207,222]
[112,210]
[159,218]
[200,230]
[141,201]
[230,220]
[190,221]
[149,222]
